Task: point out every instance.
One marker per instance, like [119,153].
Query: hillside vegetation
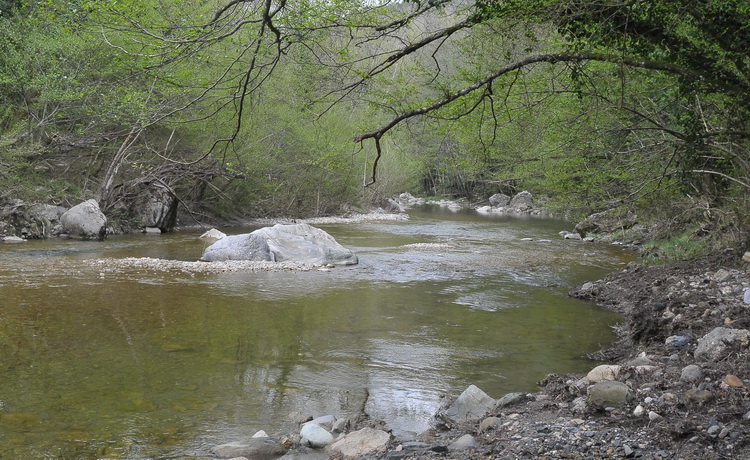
[302,107]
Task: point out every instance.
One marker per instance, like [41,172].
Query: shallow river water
[129,363]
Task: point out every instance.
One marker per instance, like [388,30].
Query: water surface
[128,363]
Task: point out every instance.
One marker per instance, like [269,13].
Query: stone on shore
[472,404]
[490,423]
[603,372]
[300,243]
[640,360]
[510,398]
[715,344]
[465,442]
[499,199]
[316,435]
[340,425]
[523,201]
[677,341]
[12,239]
[156,207]
[606,222]
[326,421]
[698,396]
[253,448]
[30,221]
[409,200]
[609,394]
[732,381]
[366,441]
[691,373]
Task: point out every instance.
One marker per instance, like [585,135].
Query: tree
[654,88]
[701,44]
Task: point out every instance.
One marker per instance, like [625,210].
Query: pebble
[699,396]
[677,341]
[691,373]
[603,372]
[733,381]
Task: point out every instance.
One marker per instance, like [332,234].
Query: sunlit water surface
[126,363]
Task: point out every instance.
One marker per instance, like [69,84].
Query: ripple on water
[156,358]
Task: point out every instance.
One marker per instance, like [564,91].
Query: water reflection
[132,363]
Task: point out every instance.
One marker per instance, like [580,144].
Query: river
[132,363]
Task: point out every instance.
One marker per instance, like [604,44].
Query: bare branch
[705,171]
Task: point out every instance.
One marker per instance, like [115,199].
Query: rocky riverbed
[674,387]
[682,361]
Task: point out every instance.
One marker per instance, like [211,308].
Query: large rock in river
[301,243]
[85,220]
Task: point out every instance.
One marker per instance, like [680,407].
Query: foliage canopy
[606,102]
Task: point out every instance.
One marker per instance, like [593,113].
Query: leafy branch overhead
[702,43]
[613,100]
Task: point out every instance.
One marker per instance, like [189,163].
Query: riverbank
[681,401]
[688,395]
[682,406]
[675,386]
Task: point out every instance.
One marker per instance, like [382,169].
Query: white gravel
[149,263]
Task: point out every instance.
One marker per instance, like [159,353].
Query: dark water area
[131,363]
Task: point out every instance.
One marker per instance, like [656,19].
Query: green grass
[673,249]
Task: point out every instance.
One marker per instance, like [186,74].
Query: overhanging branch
[543,58]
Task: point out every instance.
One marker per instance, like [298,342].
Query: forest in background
[307,107]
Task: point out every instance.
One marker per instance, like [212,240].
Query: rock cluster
[520,203]
[155,211]
[407,200]
[316,438]
[20,220]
